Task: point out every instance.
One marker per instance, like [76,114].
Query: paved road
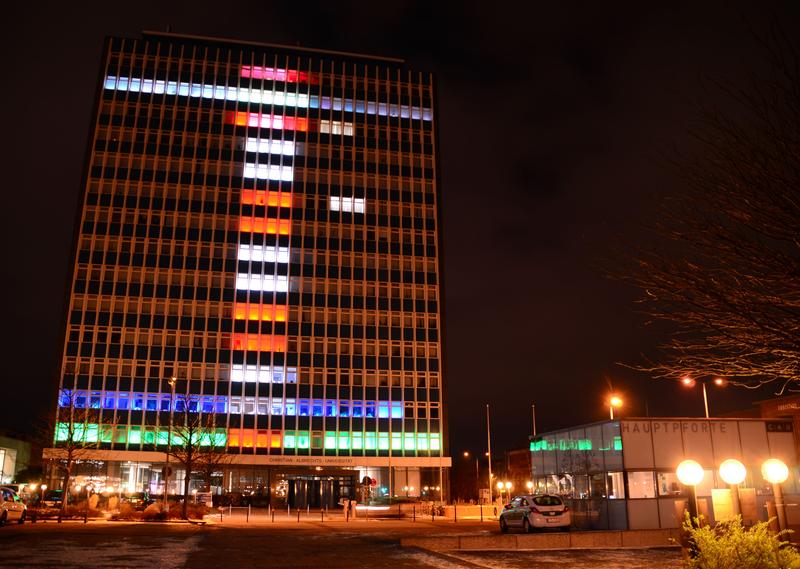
[316,545]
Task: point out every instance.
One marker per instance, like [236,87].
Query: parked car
[531,512]
[53,498]
[12,508]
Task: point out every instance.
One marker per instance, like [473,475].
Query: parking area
[284,544]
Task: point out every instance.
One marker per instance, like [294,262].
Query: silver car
[531,512]
[11,507]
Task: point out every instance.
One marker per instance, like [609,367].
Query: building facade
[622,474]
[258,246]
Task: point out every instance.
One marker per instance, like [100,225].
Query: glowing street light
[614,401]
[776,472]
[733,473]
[690,473]
[529,484]
[689,381]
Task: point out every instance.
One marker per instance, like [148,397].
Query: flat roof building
[621,474]
[258,244]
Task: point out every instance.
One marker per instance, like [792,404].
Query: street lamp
[733,473]
[529,484]
[690,473]
[477,477]
[688,381]
[613,401]
[500,487]
[776,472]
[509,486]
[172,381]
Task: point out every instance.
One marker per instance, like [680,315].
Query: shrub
[730,545]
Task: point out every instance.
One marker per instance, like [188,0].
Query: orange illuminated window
[259,343]
[260,225]
[234,436]
[275,439]
[262,439]
[267,312]
[260,120]
[247,438]
[273,199]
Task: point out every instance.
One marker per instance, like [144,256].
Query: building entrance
[314,491]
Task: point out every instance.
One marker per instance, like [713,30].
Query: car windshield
[547,501]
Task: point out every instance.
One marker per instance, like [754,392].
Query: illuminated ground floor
[293,481]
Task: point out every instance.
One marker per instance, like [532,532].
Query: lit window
[262,283]
[262,120]
[336,127]
[265,312]
[259,343]
[347,204]
[270,146]
[263,254]
[261,225]
[269,172]
[272,199]
[273,74]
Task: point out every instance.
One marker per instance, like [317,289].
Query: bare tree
[196,442]
[76,429]
[725,271]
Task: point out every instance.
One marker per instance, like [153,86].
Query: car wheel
[21,519]
[526,526]
[3,519]
[503,525]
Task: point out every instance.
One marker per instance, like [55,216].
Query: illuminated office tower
[259,222]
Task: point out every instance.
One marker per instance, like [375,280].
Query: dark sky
[554,124]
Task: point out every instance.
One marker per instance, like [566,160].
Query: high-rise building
[258,245]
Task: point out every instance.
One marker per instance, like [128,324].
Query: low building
[15,455]
[621,474]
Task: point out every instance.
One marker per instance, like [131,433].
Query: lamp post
[500,487]
[172,381]
[688,381]
[613,401]
[776,472]
[733,473]
[509,486]
[690,473]
[489,451]
[477,477]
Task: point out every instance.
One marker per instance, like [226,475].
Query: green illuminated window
[408,442]
[330,439]
[383,441]
[371,441]
[435,441]
[344,441]
[397,441]
[358,440]
[422,441]
[303,440]
[289,440]
[135,435]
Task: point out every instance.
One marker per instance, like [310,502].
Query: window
[346,204]
[641,485]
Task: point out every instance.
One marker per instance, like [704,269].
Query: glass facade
[260,223]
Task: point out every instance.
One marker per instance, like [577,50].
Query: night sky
[555,124]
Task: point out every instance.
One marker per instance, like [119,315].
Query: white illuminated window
[264,254]
[262,283]
[354,205]
[269,172]
[269,146]
[336,127]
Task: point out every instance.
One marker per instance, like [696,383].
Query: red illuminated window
[259,343]
[267,312]
[273,199]
[259,120]
[274,74]
[260,225]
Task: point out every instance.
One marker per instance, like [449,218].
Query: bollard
[273,516]
[414,513]
[433,510]
[322,515]
[455,515]
[308,509]
[230,510]
[298,515]
[248,513]
[480,507]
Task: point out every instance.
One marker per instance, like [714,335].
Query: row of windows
[126,141]
[319,285]
[332,74]
[306,314]
[264,97]
[168,220]
[234,438]
[127,368]
[254,252]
